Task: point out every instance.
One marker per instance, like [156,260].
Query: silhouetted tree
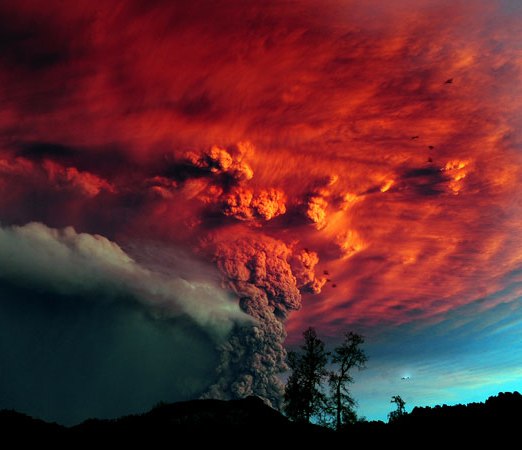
[345,357]
[303,394]
[400,409]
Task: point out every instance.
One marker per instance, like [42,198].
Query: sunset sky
[185,186]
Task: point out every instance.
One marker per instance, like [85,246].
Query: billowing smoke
[67,262]
[404,185]
[55,176]
[218,160]
[244,204]
[105,334]
[268,277]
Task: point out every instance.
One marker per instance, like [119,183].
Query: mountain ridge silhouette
[218,419]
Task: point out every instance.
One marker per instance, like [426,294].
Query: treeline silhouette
[318,391]
[216,419]
[501,411]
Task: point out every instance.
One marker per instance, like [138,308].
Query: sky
[186,186]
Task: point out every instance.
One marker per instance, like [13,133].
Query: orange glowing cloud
[379,144]
[87,183]
[243,204]
[457,171]
[53,175]
[316,210]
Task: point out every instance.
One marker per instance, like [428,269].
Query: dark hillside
[250,418]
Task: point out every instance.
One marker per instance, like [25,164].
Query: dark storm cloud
[425,180]
[70,357]
[42,150]
[29,43]
[106,335]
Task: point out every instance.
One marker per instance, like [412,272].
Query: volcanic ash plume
[268,279]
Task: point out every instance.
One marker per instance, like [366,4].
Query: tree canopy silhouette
[303,393]
[345,357]
[400,409]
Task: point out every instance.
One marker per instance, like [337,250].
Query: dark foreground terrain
[250,420]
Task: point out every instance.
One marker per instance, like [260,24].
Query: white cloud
[68,262]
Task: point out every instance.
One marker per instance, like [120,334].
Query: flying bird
[334,285]
[325,272]
[414,137]
[405,378]
[430,160]
[431,147]
[449,81]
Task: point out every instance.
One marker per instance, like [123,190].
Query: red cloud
[244,204]
[71,178]
[48,174]
[418,215]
